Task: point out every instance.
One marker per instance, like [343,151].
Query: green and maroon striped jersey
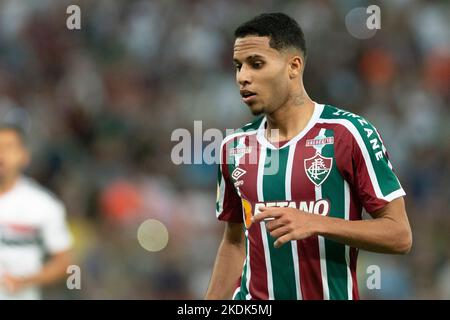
[336,166]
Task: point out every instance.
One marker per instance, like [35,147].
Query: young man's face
[261,73]
[13,154]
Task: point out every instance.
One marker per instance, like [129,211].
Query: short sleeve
[228,203]
[55,231]
[369,168]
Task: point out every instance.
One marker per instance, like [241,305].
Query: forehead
[7,134]
[253,45]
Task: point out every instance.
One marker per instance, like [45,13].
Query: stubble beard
[257,111]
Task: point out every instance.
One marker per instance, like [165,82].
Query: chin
[256,110]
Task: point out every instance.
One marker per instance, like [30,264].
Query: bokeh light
[153,235]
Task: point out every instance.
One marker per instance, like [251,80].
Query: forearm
[382,235]
[51,272]
[227,269]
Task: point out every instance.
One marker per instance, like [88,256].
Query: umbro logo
[237,173]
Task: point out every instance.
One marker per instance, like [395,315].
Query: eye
[257,64]
[237,67]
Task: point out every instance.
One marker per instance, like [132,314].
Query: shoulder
[246,130]
[355,133]
[251,126]
[349,124]
[38,196]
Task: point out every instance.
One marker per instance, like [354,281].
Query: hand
[286,224]
[11,283]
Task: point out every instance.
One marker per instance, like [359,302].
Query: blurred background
[100,105]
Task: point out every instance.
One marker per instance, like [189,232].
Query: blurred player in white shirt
[32,225]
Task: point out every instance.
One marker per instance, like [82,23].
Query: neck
[7,184]
[291,117]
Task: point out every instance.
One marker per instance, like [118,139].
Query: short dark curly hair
[284,32]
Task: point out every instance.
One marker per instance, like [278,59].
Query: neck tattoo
[298,99]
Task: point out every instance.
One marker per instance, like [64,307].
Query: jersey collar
[260,135]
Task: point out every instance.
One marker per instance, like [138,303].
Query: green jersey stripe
[281,258]
[244,292]
[309,176]
[347,248]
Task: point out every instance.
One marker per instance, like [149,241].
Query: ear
[296,65]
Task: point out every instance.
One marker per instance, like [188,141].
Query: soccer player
[32,224]
[292,201]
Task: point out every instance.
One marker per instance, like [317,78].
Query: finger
[274,224]
[268,208]
[279,232]
[283,239]
[259,217]
[266,215]
[262,216]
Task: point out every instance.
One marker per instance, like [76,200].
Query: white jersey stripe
[362,146]
[318,109]
[394,195]
[323,258]
[347,248]
[249,273]
[220,194]
[259,186]
[236,292]
[288,194]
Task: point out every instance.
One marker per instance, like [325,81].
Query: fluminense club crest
[318,168]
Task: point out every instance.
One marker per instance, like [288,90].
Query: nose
[243,76]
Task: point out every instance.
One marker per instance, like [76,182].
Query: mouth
[247,95]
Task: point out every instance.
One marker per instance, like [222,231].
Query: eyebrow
[249,58]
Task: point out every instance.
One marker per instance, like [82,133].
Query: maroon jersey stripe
[232,203]
[258,273]
[353,259]
[308,249]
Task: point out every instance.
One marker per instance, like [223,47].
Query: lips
[247,95]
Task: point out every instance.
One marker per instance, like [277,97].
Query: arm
[228,265]
[388,232]
[52,271]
